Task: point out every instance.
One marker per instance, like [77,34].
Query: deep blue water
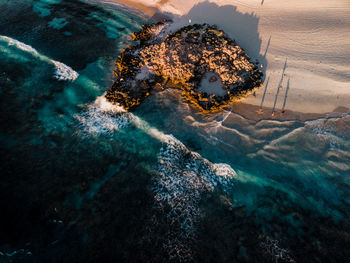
[82,181]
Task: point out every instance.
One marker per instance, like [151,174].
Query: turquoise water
[83,181]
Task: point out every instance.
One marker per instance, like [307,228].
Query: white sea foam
[325,131]
[105,106]
[182,176]
[108,111]
[19,45]
[62,71]
[102,117]
[184,173]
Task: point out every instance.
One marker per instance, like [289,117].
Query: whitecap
[19,45]
[329,130]
[182,176]
[102,117]
[184,173]
[182,179]
[62,71]
[107,107]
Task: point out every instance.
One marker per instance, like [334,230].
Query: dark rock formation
[210,68]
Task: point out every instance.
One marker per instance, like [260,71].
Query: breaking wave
[181,179]
[62,71]
[102,117]
[19,45]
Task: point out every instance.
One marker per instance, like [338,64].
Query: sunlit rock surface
[210,68]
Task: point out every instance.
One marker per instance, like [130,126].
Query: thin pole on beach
[285,97]
[274,105]
[267,47]
[278,88]
[263,97]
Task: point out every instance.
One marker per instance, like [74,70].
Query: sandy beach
[302,46]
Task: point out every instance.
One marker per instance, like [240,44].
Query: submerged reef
[209,68]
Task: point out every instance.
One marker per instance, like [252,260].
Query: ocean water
[84,181]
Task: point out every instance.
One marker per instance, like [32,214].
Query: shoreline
[148,11]
[151,12]
[251,112]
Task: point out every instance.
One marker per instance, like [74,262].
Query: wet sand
[151,11]
[148,10]
[251,112]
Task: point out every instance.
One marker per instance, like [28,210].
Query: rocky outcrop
[210,68]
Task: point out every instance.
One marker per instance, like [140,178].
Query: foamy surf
[62,71]
[105,117]
[105,106]
[102,106]
[182,179]
[332,131]
[102,117]
[24,47]
[182,176]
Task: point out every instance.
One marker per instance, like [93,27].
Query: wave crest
[183,178]
[24,47]
[62,71]
[102,117]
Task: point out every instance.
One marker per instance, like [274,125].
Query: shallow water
[82,180]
